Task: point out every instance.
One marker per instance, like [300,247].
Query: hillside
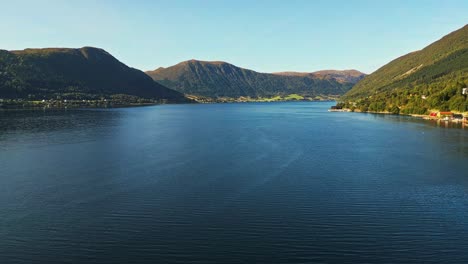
[345,76]
[74,73]
[221,79]
[431,78]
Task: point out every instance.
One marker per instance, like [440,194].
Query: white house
[465,91]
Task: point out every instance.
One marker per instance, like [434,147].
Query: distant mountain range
[431,78]
[221,79]
[346,76]
[74,73]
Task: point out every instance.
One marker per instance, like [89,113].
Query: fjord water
[231,183]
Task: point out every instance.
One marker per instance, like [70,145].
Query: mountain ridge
[223,79]
[350,75]
[86,71]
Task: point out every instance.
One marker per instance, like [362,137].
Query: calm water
[231,183]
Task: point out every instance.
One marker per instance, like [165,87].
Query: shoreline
[36,108]
[70,108]
[260,101]
[417,116]
[278,98]
[56,105]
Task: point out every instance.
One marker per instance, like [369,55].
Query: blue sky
[265,36]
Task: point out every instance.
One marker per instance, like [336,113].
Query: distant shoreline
[418,116]
[71,108]
[21,104]
[7,105]
[263,101]
[277,98]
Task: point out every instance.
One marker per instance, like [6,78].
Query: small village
[444,116]
[439,116]
[447,116]
[59,103]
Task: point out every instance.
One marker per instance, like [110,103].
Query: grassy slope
[437,72]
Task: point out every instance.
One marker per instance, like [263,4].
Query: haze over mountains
[431,78]
[221,79]
[74,73]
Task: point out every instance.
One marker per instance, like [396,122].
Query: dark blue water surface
[231,183]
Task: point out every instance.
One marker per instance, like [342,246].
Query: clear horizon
[271,36]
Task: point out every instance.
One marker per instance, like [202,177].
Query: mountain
[345,76]
[83,73]
[220,79]
[431,78]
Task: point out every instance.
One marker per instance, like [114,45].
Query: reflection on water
[448,141]
[447,124]
[37,126]
[231,183]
